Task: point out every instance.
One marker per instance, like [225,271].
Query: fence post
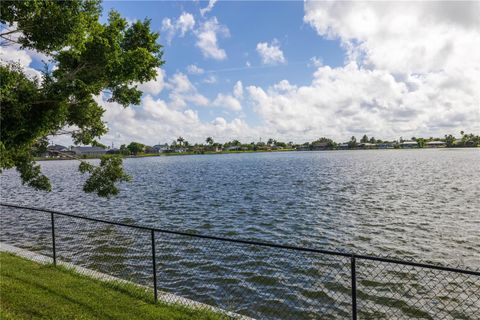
[155,293]
[52,218]
[354,286]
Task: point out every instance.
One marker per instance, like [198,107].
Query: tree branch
[10,32]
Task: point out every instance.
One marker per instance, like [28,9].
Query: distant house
[462,143]
[160,148]
[386,145]
[56,147]
[232,148]
[303,147]
[319,145]
[59,151]
[343,146]
[367,145]
[409,145]
[89,151]
[113,151]
[435,144]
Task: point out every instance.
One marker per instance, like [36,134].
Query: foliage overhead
[89,59]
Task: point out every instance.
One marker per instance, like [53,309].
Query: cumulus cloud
[207,39]
[270,53]
[156,121]
[180,26]
[230,101]
[410,69]
[238,90]
[13,54]
[227,101]
[183,92]
[315,62]
[194,69]
[210,79]
[185,23]
[154,86]
[208,8]
[402,37]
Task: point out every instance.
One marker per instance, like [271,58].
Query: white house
[435,144]
[89,151]
[161,148]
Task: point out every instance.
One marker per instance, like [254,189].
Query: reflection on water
[414,204]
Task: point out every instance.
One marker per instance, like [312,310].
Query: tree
[449,140]
[136,148]
[372,140]
[90,59]
[40,147]
[421,142]
[124,150]
[364,139]
[180,140]
[209,140]
[270,142]
[353,142]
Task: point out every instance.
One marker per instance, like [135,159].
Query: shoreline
[173,154]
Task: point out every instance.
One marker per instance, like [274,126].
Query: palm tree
[180,140]
[209,140]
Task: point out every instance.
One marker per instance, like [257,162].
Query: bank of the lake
[166,154]
[32,290]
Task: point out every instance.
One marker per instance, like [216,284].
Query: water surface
[411,204]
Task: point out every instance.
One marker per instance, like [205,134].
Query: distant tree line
[181,145]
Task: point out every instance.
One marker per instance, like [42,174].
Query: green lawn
[29,290]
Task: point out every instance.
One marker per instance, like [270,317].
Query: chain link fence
[239,278]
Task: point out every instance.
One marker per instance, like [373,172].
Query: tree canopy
[87,60]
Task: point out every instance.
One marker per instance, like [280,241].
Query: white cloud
[12,54]
[184,23]
[238,90]
[402,37]
[156,121]
[154,86]
[194,69]
[227,101]
[168,28]
[183,92]
[230,101]
[207,39]
[208,8]
[210,79]
[270,53]
[316,62]
[411,69]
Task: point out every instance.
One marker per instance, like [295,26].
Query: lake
[410,204]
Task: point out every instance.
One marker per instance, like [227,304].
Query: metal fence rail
[249,278]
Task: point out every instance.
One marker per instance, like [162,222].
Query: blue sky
[249,23]
[300,70]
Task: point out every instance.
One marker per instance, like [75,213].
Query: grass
[29,290]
